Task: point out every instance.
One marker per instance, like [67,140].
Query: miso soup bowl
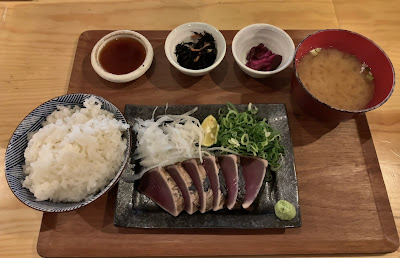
[355,44]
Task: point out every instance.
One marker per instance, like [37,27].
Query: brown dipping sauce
[122,55]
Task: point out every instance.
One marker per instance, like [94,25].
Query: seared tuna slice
[253,172]
[159,186]
[213,174]
[185,183]
[199,176]
[222,185]
[228,164]
[241,186]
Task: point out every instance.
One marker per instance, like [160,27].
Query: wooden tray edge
[388,225]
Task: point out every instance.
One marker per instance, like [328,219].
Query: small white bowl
[122,77]
[274,38]
[183,33]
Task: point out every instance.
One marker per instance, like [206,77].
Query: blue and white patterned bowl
[19,141]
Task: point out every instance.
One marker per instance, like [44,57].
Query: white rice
[76,153]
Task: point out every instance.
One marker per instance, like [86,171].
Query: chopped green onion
[370,77]
[315,51]
[246,134]
[268,176]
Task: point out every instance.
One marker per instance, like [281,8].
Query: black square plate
[136,210]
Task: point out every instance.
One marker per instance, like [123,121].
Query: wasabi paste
[285,210]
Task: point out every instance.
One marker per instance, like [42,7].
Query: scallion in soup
[337,78]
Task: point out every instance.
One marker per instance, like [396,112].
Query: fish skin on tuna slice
[185,184]
[199,176]
[212,169]
[253,169]
[241,185]
[229,167]
[159,186]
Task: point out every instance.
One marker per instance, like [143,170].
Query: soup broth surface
[334,77]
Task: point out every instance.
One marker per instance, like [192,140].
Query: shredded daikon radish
[167,140]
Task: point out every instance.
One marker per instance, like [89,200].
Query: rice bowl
[75,154]
[15,160]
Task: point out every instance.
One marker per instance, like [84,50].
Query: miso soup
[337,78]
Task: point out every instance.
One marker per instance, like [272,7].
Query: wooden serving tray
[343,200]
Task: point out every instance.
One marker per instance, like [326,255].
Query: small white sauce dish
[183,33]
[122,77]
[274,38]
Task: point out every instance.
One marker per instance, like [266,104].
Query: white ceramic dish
[123,77]
[183,33]
[274,38]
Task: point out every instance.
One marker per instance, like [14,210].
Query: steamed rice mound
[76,153]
